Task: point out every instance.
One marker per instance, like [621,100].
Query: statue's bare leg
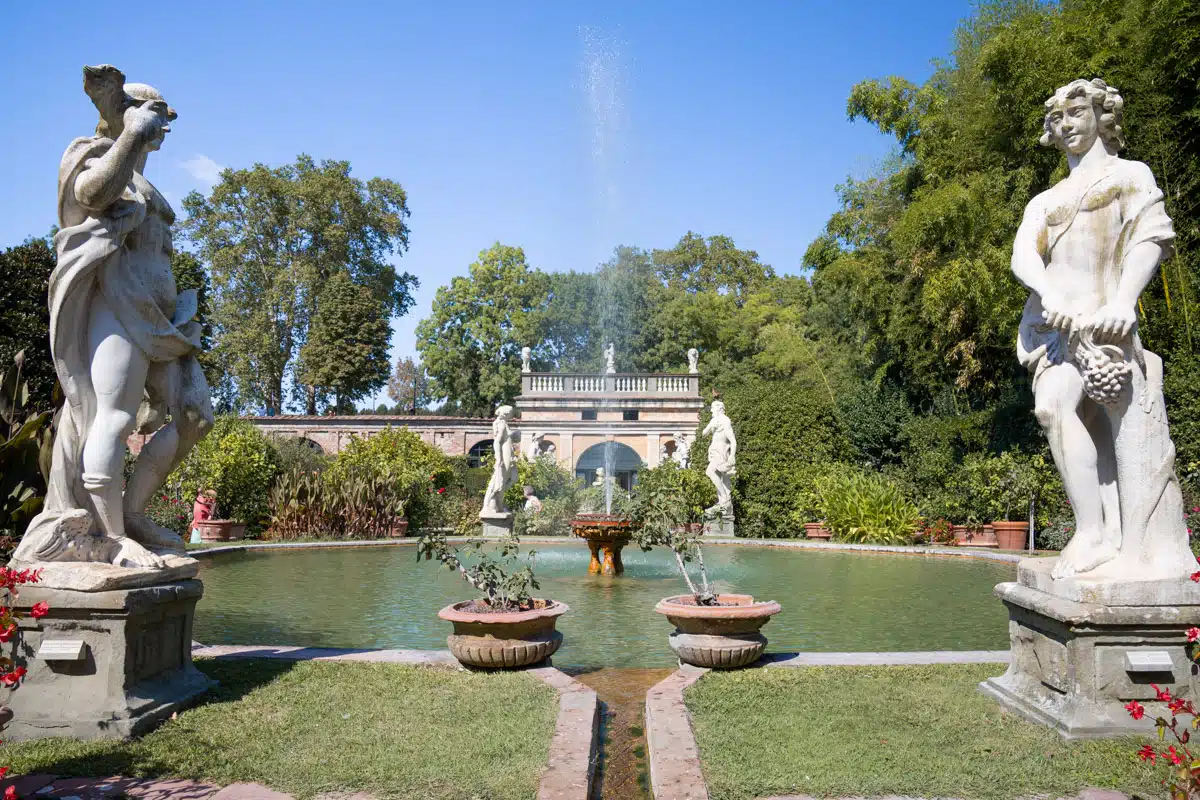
[1057,400]
[1100,428]
[154,463]
[118,374]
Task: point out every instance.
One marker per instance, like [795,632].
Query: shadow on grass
[139,757]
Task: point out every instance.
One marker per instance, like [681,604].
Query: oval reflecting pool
[382,597]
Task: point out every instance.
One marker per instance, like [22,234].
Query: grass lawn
[310,727]
[866,731]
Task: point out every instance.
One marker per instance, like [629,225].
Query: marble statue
[610,364]
[693,361]
[504,471]
[526,352]
[599,479]
[532,447]
[722,459]
[683,447]
[1086,248]
[124,347]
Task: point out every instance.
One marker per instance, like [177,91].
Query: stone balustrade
[627,384]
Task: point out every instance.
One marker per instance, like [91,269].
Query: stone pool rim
[797,544]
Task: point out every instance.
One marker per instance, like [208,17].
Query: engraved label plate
[62,650]
[1148,661]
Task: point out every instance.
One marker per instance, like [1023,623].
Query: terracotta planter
[221,530]
[817,530]
[718,637]
[1011,535]
[975,536]
[504,640]
[399,528]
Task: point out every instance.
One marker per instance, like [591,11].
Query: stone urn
[817,530]
[1011,535]
[606,535]
[725,636]
[221,530]
[503,639]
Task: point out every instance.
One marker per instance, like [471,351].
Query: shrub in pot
[237,462]
[719,631]
[506,627]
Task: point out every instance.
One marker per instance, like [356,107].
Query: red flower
[1195,576]
[1147,754]
[1135,709]
[1177,705]
[7,633]
[1170,753]
[39,610]
[443,491]
[10,793]
[1163,694]
[1193,634]
[13,678]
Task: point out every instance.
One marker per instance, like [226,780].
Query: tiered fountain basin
[606,535]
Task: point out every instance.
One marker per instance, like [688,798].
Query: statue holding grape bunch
[1086,249]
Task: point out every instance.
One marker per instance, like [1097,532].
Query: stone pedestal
[720,526]
[1083,648]
[498,525]
[136,666]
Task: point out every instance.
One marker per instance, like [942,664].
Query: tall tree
[273,239]
[25,315]
[471,343]
[345,354]
[410,387]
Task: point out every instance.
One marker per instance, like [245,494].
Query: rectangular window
[589,413]
[629,416]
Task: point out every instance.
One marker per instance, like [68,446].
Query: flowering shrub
[11,674]
[237,461]
[172,512]
[1184,779]
[938,531]
[1057,534]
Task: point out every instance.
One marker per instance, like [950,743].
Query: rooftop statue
[1086,249]
[124,347]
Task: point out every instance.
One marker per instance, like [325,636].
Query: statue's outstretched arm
[101,183]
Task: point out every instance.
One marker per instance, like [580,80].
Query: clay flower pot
[399,528]
[975,536]
[221,530]
[719,637]
[817,530]
[1011,535]
[504,639]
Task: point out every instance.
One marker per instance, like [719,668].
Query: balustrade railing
[649,385]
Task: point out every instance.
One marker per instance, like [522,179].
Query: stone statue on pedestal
[526,352]
[693,361]
[124,346]
[722,462]
[504,472]
[1092,629]
[1086,249]
[610,364]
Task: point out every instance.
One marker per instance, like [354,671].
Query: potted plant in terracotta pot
[720,631]
[817,530]
[505,627]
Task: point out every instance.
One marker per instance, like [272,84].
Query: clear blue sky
[563,127]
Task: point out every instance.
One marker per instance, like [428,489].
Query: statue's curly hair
[1109,104]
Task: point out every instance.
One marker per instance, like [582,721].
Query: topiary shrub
[868,509]
[237,461]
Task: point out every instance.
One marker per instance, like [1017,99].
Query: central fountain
[606,535]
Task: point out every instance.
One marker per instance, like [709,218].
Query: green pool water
[382,597]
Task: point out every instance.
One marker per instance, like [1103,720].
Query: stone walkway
[50,786]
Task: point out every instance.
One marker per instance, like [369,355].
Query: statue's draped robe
[1097,227]
[91,263]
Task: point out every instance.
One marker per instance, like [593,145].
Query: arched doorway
[479,452]
[617,460]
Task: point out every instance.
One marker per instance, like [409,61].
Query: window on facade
[629,416]
[589,413]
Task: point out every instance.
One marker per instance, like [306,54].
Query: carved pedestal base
[499,525]
[720,526]
[1075,664]
[606,557]
[136,666]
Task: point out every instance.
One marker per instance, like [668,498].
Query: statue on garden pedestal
[124,346]
[722,460]
[1086,249]
[504,471]
[526,353]
[610,363]
[693,361]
